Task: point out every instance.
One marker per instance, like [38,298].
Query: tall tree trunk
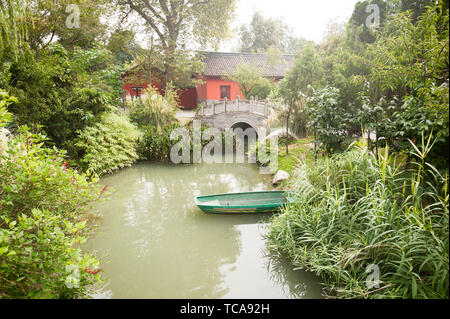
[315,146]
[169,62]
[376,135]
[287,131]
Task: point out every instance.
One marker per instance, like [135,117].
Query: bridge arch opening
[246,138]
[246,128]
[242,125]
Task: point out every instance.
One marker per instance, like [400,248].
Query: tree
[297,84]
[342,50]
[62,90]
[263,33]
[251,82]
[48,19]
[416,7]
[327,119]
[362,15]
[409,62]
[179,24]
[297,44]
[123,46]
[13,32]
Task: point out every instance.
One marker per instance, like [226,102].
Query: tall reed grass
[351,214]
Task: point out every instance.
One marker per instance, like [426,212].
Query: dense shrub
[42,206]
[155,145]
[251,82]
[108,145]
[61,90]
[352,212]
[262,88]
[5,116]
[153,109]
[328,120]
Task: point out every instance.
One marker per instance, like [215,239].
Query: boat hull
[242,203]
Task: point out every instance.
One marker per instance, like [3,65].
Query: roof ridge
[242,53]
[222,63]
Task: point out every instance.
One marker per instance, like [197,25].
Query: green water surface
[155,243]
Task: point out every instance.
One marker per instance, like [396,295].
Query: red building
[215,87]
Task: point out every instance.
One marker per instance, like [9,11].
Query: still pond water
[155,243]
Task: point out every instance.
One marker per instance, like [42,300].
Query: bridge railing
[255,106]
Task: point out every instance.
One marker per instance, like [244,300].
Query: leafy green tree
[47,22]
[361,17]
[416,7]
[327,120]
[251,82]
[123,46]
[307,72]
[410,62]
[63,90]
[263,33]
[13,30]
[342,51]
[180,25]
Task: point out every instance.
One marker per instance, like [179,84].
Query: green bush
[42,206]
[155,145]
[5,116]
[61,90]
[262,88]
[153,109]
[251,82]
[328,120]
[108,145]
[352,211]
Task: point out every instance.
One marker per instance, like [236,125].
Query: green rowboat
[242,203]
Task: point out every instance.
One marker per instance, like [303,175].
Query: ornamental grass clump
[153,109]
[370,228]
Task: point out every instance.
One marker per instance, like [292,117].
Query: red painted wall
[187,97]
[127,87]
[211,89]
[201,89]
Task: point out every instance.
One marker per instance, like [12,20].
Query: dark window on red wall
[225,91]
[137,90]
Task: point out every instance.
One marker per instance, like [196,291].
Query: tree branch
[150,21]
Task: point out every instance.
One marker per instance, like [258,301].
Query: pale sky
[308,18]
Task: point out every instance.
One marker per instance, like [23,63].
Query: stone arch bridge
[236,113]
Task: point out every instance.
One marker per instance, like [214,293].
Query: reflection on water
[155,243]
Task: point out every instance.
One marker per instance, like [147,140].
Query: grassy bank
[300,152]
[368,227]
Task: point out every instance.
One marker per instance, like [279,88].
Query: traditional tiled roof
[224,63]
